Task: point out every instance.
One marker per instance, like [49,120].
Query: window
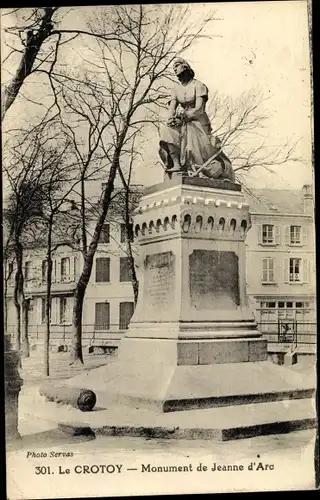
[295,270]
[105,234]
[65,268]
[123,231]
[271,304]
[27,270]
[295,235]
[283,314]
[267,233]
[65,310]
[53,309]
[125,269]
[102,316]
[125,314]
[268,270]
[44,270]
[102,269]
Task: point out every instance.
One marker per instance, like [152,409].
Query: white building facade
[281,267]
[281,278]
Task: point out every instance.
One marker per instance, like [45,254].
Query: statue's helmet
[180,65]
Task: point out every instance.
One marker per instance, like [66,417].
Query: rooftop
[275,201]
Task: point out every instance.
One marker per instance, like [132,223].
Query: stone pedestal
[193,341]
[193,364]
[13,383]
[192,272]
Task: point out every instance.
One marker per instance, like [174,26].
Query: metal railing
[292,332]
[289,331]
[91,333]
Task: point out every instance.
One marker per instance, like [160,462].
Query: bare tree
[54,218]
[32,28]
[127,76]
[33,39]
[130,196]
[35,170]
[24,205]
[241,125]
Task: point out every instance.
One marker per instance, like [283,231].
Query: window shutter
[58,270]
[54,271]
[69,309]
[36,270]
[271,270]
[125,313]
[72,268]
[305,235]
[286,270]
[305,270]
[287,235]
[53,311]
[277,238]
[102,316]
[260,234]
[125,269]
[39,311]
[102,269]
[264,269]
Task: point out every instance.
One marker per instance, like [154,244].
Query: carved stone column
[13,383]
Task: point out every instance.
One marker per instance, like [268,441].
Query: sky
[261,45]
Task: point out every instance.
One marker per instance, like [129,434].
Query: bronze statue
[186,144]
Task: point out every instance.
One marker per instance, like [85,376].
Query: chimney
[307,192]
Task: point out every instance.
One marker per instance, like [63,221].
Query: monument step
[221,424]
[177,388]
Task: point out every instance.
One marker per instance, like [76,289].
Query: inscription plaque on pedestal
[214,279]
[159,271]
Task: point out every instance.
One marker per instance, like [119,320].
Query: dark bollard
[83,399]
[13,383]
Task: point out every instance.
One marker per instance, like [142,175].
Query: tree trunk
[18,331]
[18,290]
[5,292]
[25,346]
[134,280]
[33,45]
[76,347]
[46,340]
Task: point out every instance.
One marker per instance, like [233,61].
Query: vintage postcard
[159,249]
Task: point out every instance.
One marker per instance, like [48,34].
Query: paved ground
[32,367]
[290,457]
[93,465]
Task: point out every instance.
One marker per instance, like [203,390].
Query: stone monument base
[218,402]
[159,382]
[192,354]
